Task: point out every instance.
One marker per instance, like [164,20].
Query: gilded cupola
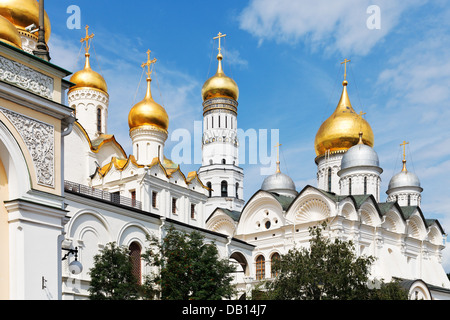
[87,78]
[147,112]
[342,129]
[24,13]
[220,85]
[9,33]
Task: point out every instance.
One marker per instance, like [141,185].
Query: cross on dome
[87,38]
[148,64]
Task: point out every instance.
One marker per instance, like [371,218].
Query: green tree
[187,268]
[112,277]
[326,270]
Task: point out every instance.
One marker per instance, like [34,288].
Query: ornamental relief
[39,139]
[26,78]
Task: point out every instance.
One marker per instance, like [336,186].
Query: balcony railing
[114,198]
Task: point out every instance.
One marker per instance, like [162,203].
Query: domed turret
[360,155]
[404,187]
[341,130]
[24,13]
[88,78]
[360,171]
[9,33]
[279,182]
[148,122]
[147,112]
[220,85]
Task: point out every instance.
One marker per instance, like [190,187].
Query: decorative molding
[87,93]
[39,139]
[26,78]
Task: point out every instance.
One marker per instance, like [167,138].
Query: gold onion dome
[9,33]
[220,85]
[23,13]
[341,130]
[148,113]
[88,78]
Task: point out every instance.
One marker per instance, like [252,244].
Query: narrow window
[133,198]
[260,268]
[192,211]
[212,121]
[365,185]
[219,120]
[99,120]
[137,151]
[226,121]
[223,161]
[237,190]
[329,179]
[409,200]
[159,152]
[224,189]
[135,257]
[174,205]
[350,186]
[208,184]
[154,195]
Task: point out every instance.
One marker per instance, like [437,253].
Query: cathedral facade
[69,188]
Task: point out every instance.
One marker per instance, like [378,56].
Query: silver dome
[360,155]
[404,179]
[278,182]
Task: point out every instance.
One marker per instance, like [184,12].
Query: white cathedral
[67,187]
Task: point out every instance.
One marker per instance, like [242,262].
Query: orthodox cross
[345,67]
[278,156]
[86,39]
[219,35]
[148,63]
[404,149]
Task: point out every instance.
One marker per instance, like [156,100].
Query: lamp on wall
[75,267]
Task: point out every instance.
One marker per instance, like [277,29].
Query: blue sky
[285,57]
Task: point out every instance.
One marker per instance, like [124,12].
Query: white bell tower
[220,169]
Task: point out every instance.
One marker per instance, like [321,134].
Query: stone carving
[39,138]
[26,78]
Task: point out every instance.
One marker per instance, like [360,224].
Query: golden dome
[220,85]
[148,113]
[88,78]
[9,33]
[341,130]
[23,13]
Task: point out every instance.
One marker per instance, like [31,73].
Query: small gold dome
[220,85]
[88,78]
[341,130]
[148,113]
[9,33]
[23,13]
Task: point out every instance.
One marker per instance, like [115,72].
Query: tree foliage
[326,270]
[187,268]
[111,276]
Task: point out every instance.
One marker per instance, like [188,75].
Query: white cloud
[335,26]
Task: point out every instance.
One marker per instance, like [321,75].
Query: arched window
[260,267]
[329,179]
[365,185]
[208,184]
[224,188]
[275,257]
[350,186]
[99,120]
[135,256]
[224,161]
